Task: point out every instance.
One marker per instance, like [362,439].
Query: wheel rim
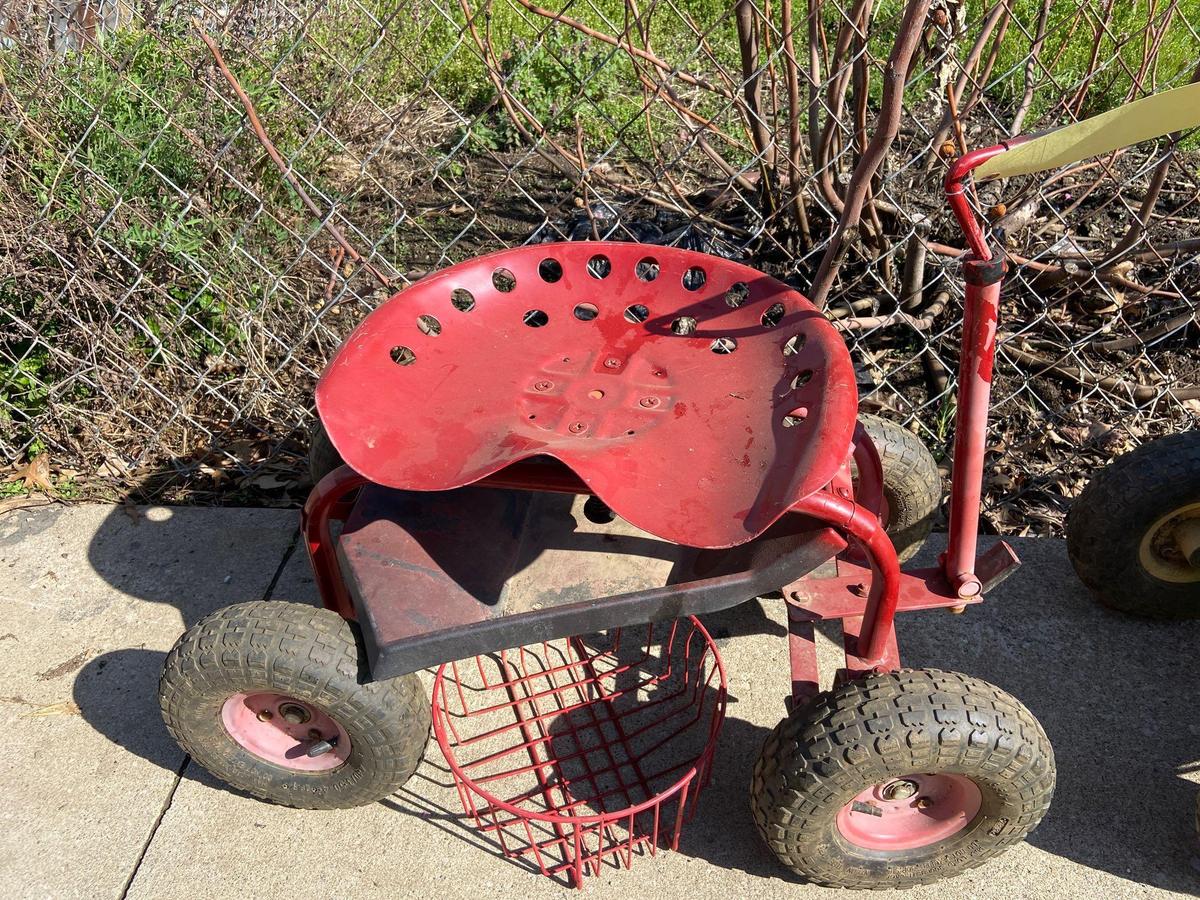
[281,730]
[1167,544]
[909,812]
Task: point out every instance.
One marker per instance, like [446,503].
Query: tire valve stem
[320,748]
[924,803]
[869,808]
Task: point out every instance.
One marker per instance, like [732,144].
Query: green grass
[118,167]
[561,75]
[1071,52]
[568,81]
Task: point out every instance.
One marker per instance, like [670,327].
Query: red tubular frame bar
[984,277]
[864,526]
[331,500]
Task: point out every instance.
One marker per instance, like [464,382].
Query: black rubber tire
[323,457]
[886,726]
[313,655]
[1109,518]
[912,484]
[1196,832]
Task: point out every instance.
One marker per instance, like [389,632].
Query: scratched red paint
[466,405]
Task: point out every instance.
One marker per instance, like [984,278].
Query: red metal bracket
[845,596]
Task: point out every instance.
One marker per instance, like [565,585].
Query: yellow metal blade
[1174,110]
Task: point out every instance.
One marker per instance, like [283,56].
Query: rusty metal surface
[442,575]
[845,594]
[858,665]
[417,563]
[699,404]
[996,564]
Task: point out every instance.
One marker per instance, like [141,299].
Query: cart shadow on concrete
[176,559]
[1117,697]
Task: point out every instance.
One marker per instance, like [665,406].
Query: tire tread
[886,725]
[309,653]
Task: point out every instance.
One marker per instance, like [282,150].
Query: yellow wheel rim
[1160,552]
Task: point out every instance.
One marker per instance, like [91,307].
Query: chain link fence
[167,301]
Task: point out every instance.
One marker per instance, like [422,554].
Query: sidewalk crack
[287,555]
[166,805]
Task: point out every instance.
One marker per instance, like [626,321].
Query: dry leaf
[112,467]
[62,708]
[35,473]
[270,481]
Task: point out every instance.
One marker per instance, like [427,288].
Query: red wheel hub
[910,812]
[282,730]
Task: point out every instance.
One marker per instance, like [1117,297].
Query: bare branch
[281,164]
[907,41]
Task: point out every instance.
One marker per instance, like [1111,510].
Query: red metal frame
[869,628]
[869,587]
[978,352]
[330,501]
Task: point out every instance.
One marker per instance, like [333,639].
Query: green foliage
[562,77]
[127,164]
[11,489]
[124,164]
[1067,52]
[121,166]
[114,138]
[559,75]
[25,375]
[24,388]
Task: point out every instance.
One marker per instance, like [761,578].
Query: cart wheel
[901,779]
[912,485]
[323,457]
[268,697]
[1133,534]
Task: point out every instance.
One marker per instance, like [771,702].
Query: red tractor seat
[698,398]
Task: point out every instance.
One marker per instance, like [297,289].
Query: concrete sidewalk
[99,802]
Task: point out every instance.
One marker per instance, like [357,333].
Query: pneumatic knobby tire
[881,727]
[912,484]
[314,657]
[1111,516]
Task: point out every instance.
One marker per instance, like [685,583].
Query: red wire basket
[584,752]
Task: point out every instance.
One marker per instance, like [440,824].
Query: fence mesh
[167,301]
